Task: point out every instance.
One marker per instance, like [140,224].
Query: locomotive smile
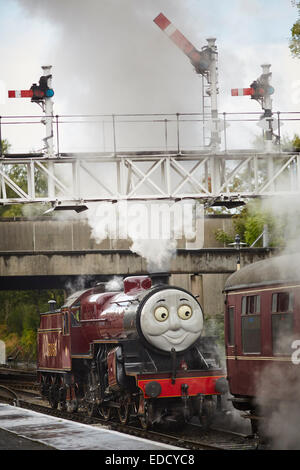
[175,339]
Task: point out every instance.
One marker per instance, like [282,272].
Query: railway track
[26,395]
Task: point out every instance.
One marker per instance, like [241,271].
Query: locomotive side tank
[138,351]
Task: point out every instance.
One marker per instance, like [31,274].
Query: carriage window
[251,334]
[282,302]
[282,333]
[250,304]
[231,326]
[282,322]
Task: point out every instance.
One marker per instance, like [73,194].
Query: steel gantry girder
[81,178]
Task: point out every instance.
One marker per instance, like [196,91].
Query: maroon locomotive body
[262,333]
[137,351]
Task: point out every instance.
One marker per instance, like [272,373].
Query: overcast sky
[109,57]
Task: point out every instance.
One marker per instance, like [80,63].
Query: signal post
[205,63]
[42,95]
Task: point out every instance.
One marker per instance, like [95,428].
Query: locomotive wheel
[63,406]
[208,413]
[72,406]
[93,409]
[124,409]
[105,412]
[52,397]
[145,416]
[62,395]
[144,420]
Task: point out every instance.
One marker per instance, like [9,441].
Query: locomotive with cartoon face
[171,319]
[135,353]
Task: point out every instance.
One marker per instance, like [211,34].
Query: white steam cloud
[278,395]
[115,284]
[153,229]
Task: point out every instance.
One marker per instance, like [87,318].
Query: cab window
[75,315]
[66,324]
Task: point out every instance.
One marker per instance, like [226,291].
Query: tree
[4,145]
[296,143]
[295,37]
[20,317]
[18,173]
[249,224]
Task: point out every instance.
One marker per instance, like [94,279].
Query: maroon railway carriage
[262,326]
[138,351]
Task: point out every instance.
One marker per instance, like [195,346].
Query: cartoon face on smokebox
[171,318]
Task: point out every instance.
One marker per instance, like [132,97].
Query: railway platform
[29,430]
[11,442]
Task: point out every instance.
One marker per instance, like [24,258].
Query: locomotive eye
[185,312]
[161,313]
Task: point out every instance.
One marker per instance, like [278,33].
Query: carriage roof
[277,270]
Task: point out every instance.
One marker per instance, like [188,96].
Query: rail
[133,157]
[135,132]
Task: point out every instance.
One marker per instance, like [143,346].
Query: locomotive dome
[277,270]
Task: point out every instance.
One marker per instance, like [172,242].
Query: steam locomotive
[135,352]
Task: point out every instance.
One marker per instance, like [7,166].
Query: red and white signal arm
[20,93]
[178,38]
[174,34]
[242,91]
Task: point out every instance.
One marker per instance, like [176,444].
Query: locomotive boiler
[135,352]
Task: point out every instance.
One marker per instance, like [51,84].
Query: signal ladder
[206,105]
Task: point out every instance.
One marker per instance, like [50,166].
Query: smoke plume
[278,396]
[152,229]
[115,284]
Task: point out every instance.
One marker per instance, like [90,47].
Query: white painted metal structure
[81,178]
[169,172]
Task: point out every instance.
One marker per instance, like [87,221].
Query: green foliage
[224,237]
[20,317]
[249,224]
[18,173]
[295,36]
[296,143]
[28,344]
[295,39]
[4,146]
[290,145]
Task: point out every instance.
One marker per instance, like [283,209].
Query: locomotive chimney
[160,278]
[52,305]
